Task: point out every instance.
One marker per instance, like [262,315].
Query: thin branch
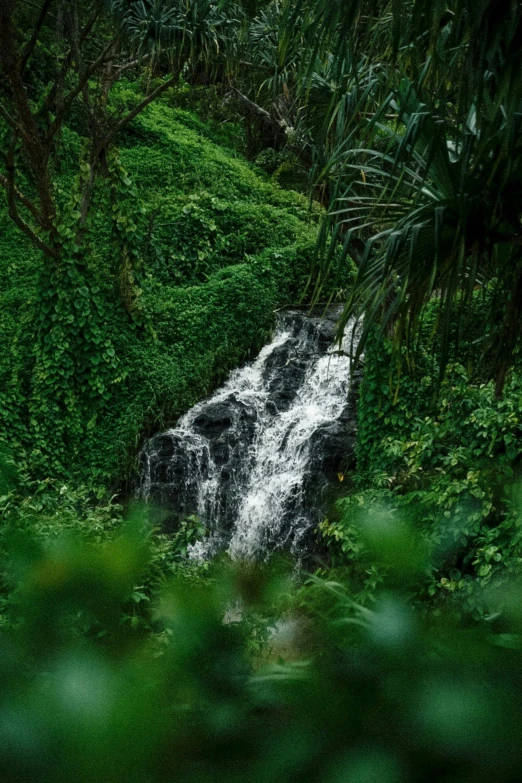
[10,121]
[72,94]
[35,6]
[125,67]
[142,105]
[78,60]
[59,81]
[34,38]
[28,204]
[254,108]
[86,199]
[13,211]
[26,127]
[91,21]
[27,230]
[113,74]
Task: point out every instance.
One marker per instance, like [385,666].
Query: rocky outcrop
[252,459]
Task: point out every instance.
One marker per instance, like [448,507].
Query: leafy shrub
[92,693]
[448,457]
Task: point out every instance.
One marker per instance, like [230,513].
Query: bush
[446,456]
[105,681]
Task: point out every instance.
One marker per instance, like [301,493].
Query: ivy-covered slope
[215,248]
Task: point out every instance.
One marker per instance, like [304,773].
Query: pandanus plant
[424,165]
[408,113]
[190,34]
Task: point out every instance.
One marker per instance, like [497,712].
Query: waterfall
[253,460]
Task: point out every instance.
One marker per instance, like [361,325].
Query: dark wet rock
[271,407]
[220,436]
[214,420]
[174,464]
[327,330]
[228,426]
[284,372]
[286,367]
[216,443]
[331,446]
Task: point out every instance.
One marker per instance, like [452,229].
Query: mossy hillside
[207,208]
[220,248]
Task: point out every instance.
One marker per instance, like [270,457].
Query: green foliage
[121,657]
[405,117]
[188,253]
[190,36]
[337,691]
[205,110]
[204,232]
[425,165]
[449,462]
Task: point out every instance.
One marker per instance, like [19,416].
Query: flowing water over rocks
[253,461]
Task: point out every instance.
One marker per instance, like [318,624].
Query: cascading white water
[282,457]
[247,459]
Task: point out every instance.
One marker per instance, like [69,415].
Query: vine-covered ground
[213,248]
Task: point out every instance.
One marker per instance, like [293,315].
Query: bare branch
[35,6]
[72,94]
[254,108]
[26,125]
[34,38]
[142,105]
[91,21]
[10,121]
[125,67]
[78,61]
[86,199]
[114,73]
[27,230]
[11,203]
[28,204]
[60,80]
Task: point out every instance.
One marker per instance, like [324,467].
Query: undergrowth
[210,249]
[444,456]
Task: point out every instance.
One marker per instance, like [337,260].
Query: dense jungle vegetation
[171,173]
